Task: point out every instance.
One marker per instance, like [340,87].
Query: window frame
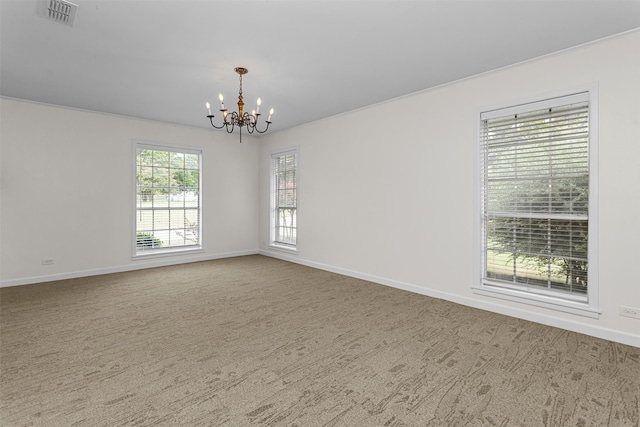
[171,250]
[589,305]
[273,206]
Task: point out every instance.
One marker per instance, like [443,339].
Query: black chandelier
[239,118]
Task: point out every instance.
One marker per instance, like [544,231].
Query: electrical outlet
[630,312]
[47,261]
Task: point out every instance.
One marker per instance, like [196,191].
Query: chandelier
[239,118]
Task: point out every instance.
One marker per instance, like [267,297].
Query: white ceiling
[162,60]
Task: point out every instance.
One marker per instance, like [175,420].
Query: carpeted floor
[258,341]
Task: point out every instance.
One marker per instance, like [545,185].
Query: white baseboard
[570,325]
[137,265]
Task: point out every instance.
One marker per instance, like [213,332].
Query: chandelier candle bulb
[259,102]
[221,98]
[270,114]
[208,107]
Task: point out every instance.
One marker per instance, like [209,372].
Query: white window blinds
[284,198]
[535,184]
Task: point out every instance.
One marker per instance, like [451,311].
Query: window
[167,199]
[284,198]
[536,201]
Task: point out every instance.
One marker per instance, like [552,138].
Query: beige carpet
[258,341]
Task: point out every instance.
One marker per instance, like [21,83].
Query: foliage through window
[535,184]
[284,204]
[167,198]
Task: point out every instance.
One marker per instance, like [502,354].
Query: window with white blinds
[167,214]
[284,198]
[535,167]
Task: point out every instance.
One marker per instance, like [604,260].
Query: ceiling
[162,60]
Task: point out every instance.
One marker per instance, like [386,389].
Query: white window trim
[164,252]
[273,245]
[590,306]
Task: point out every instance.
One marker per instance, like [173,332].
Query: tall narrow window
[284,198]
[535,198]
[167,199]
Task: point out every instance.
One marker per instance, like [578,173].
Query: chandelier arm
[265,129]
[212,124]
[249,121]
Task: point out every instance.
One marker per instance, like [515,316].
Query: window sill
[554,303]
[283,248]
[160,253]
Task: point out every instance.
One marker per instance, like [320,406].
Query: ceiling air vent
[58,11]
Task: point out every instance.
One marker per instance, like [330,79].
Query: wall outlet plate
[630,312]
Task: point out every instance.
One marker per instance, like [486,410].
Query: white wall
[67,191]
[387,193]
